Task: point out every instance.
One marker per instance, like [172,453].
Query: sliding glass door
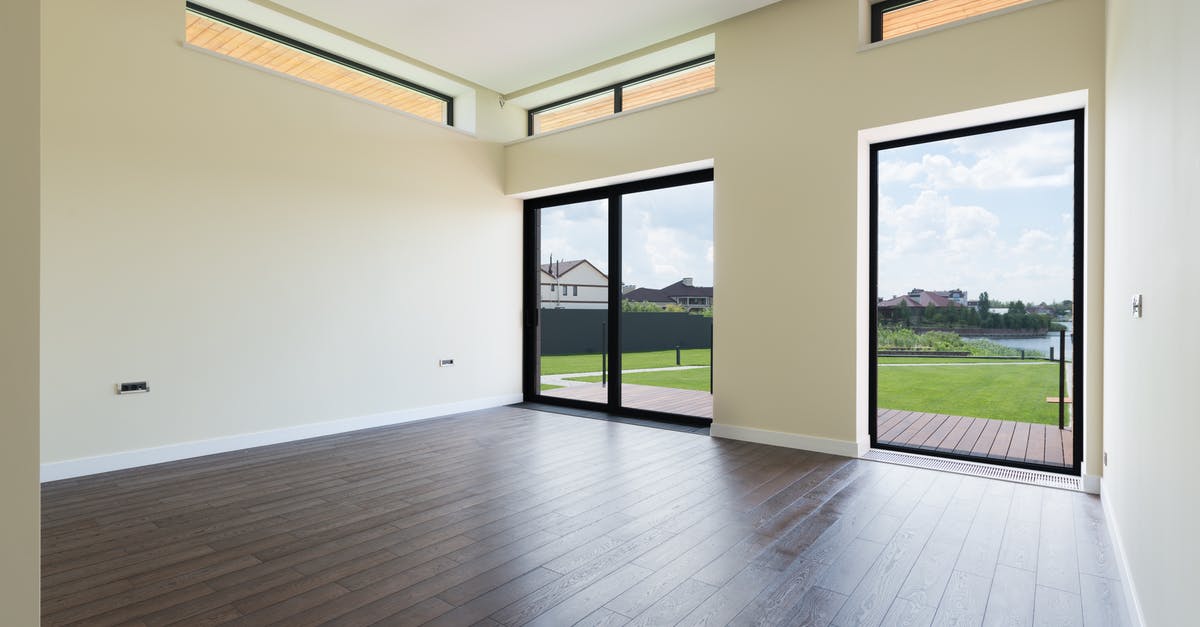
[619,298]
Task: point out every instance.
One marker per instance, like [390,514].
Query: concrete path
[999,363]
[562,379]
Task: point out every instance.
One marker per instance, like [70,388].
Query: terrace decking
[978,437]
[1000,440]
[686,402]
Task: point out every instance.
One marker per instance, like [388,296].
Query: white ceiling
[507,46]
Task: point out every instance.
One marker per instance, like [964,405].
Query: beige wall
[19,545]
[265,253]
[1150,373]
[792,93]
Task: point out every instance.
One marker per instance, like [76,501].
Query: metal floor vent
[987,471]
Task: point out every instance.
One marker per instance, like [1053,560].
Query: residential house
[916,301]
[681,293]
[576,284]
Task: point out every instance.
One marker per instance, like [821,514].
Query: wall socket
[445,363]
[133,387]
[1137,305]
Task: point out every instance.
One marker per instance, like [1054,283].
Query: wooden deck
[978,437]
[686,402]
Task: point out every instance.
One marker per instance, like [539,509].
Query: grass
[547,386]
[568,364]
[1015,392]
[694,379]
[946,360]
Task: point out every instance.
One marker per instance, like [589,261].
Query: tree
[985,303]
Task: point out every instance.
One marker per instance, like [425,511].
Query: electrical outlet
[1137,305]
[445,363]
[133,387]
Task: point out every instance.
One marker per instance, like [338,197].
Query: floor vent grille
[987,471]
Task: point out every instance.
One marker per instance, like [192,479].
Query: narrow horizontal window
[572,113]
[252,44]
[662,88]
[894,18]
[662,85]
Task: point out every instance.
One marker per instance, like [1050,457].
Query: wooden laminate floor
[513,516]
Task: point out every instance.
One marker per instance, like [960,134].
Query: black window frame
[531,296]
[255,29]
[886,6]
[616,89]
[1078,289]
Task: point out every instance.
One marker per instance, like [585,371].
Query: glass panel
[573,295]
[933,13]
[666,323]
[251,48]
[976,279]
[670,86]
[574,113]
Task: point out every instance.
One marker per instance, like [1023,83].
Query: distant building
[683,293]
[958,297]
[917,300]
[573,284]
[923,298]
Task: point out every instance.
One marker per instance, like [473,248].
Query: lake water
[1035,343]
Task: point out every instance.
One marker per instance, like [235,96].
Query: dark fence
[579,331]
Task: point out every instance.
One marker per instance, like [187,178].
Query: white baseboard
[67,469]
[1136,618]
[1090,483]
[845,448]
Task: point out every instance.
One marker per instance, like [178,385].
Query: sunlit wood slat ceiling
[933,13]
[250,48]
[670,86]
[635,96]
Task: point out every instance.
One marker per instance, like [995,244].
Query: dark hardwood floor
[513,516]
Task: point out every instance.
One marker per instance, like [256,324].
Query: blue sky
[982,213]
[667,235]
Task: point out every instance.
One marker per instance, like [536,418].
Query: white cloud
[1035,241]
[576,232]
[1040,273]
[899,171]
[934,226]
[1016,159]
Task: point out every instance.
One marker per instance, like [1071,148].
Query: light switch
[1137,305]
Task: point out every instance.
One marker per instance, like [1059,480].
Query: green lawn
[694,379]
[566,364]
[945,360]
[547,386]
[1014,392]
